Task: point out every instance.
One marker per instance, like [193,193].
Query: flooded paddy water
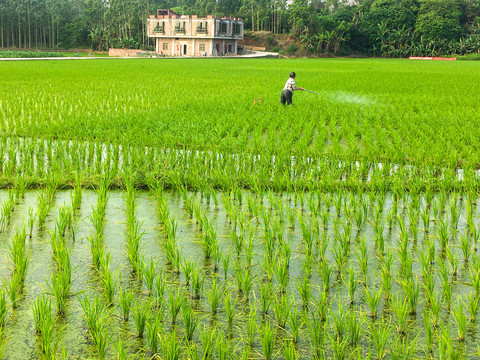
[263,275]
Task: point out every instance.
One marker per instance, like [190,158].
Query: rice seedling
[428,331]
[198,279]
[379,337]
[317,331]
[125,302]
[403,348]
[460,319]
[304,289]
[372,299]
[3,309]
[229,308]
[190,321]
[252,324]
[174,303]
[339,321]
[96,313]
[282,308]
[149,272]
[208,336]
[42,311]
[170,346]
[140,314]
[339,347]
[267,339]
[213,297]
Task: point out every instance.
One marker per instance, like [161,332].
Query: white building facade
[184,35]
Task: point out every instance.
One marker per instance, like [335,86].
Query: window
[159,27]
[237,28]
[165,46]
[202,28]
[223,27]
[180,27]
[201,47]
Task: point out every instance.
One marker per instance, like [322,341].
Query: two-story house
[184,35]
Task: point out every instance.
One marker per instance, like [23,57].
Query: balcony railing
[201,30]
[159,29]
[180,30]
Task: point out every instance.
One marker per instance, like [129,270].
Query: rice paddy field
[150,209]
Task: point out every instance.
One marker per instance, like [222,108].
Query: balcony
[159,29]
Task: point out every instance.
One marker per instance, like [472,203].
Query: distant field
[367,111]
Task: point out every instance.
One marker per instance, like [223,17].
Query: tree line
[393,28]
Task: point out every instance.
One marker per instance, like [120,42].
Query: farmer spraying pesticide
[289,88]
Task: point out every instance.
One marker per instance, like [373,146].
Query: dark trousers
[286,97]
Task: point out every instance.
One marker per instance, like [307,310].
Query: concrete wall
[123,52]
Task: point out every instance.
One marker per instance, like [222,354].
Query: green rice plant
[442,233]
[435,307]
[465,247]
[404,348]
[213,297]
[282,275]
[31,221]
[154,328]
[400,309]
[224,347]
[42,311]
[339,347]
[3,309]
[133,235]
[170,346]
[326,275]
[244,279]
[473,302]
[266,296]
[460,319]
[226,263]
[59,287]
[190,321]
[96,313]
[295,323]
[174,303]
[187,268]
[372,299]
[148,272]
[252,324]
[43,206]
[125,302]
[317,331]
[428,331]
[229,307]
[426,219]
[379,337]
[109,282]
[49,337]
[198,279]
[238,242]
[355,328]
[304,289]
[411,288]
[208,337]
[12,288]
[140,314]
[340,321]
[267,339]
[362,257]
[282,308]
[289,351]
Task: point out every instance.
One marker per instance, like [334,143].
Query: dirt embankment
[267,41]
